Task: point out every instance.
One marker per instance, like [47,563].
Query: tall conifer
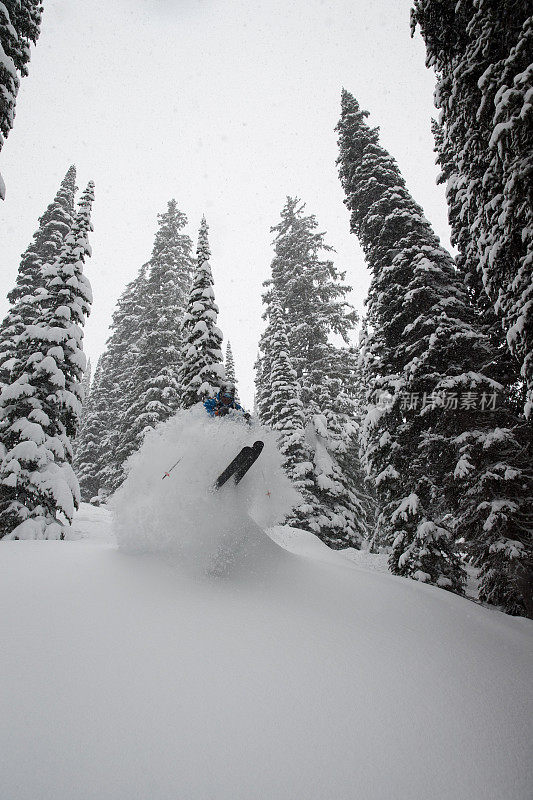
[432,371]
[117,386]
[311,295]
[40,409]
[90,453]
[286,414]
[414,309]
[202,369]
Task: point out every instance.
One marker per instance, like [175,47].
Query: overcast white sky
[228,106]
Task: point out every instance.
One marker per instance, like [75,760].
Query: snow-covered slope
[126,677]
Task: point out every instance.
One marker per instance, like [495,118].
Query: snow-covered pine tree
[39,410]
[54,225]
[428,359]
[117,385]
[90,450]
[346,391]
[20,22]
[484,148]
[166,290]
[311,293]
[481,53]
[229,366]
[415,313]
[140,367]
[286,414]
[342,500]
[202,369]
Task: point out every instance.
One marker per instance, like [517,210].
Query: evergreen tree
[138,384]
[202,370]
[54,225]
[481,52]
[329,399]
[166,290]
[118,382]
[90,453]
[428,358]
[40,409]
[230,370]
[20,22]
[411,288]
[286,413]
[311,294]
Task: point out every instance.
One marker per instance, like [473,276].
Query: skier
[224,403]
[219,406]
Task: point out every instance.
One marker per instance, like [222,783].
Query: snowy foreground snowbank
[130,677]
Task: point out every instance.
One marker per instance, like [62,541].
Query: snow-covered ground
[126,676]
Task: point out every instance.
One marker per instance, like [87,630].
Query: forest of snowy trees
[407,431]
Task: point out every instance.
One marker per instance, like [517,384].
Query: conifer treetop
[171,249]
[310,289]
[54,225]
[417,310]
[27,295]
[171,221]
[231,380]
[380,190]
[203,251]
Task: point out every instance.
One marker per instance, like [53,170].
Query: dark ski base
[240,464]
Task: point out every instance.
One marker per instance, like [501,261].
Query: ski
[240,465]
[252,458]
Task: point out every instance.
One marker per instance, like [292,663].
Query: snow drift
[124,677]
[180,514]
